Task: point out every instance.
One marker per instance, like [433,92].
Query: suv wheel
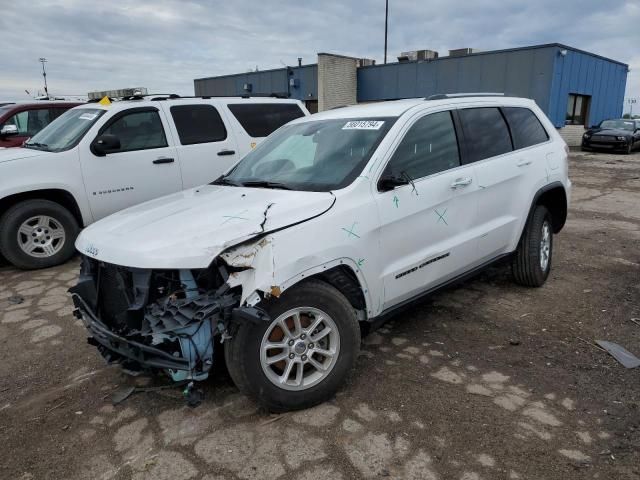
[302,356]
[532,261]
[37,234]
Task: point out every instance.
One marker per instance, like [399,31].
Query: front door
[426,234]
[144,167]
[28,123]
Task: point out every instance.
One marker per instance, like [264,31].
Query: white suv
[336,220]
[97,159]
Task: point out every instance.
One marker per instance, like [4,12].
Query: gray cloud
[164,45]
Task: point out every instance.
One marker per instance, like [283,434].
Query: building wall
[337,81]
[267,82]
[586,74]
[572,134]
[526,72]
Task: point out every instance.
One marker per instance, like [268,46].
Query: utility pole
[43,60]
[386,28]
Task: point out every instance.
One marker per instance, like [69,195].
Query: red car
[19,121]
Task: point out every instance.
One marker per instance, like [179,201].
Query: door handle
[461,182]
[226,152]
[158,161]
[524,163]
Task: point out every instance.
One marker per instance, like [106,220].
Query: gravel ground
[486,380]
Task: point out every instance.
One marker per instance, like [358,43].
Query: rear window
[526,129]
[262,119]
[198,124]
[485,132]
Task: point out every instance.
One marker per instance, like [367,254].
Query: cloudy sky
[163,45]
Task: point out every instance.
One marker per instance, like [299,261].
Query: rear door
[144,167]
[504,175]
[425,231]
[206,147]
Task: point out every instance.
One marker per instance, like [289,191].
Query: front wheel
[37,234]
[531,263]
[302,355]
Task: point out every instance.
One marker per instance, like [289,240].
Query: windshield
[65,131]
[618,124]
[320,155]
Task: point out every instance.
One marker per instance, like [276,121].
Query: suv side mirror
[105,144]
[389,181]
[8,130]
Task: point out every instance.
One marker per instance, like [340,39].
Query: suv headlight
[586,135]
[621,138]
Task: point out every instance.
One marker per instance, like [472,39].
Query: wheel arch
[554,198]
[59,196]
[344,275]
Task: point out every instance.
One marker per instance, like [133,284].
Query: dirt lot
[483,381]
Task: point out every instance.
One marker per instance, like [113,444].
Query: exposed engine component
[156,319]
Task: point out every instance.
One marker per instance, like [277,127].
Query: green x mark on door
[441,216]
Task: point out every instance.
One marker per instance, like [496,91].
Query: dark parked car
[622,134]
[19,121]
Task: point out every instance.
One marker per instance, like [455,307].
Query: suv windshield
[618,124]
[320,155]
[65,131]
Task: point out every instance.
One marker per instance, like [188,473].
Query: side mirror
[105,144]
[8,130]
[389,181]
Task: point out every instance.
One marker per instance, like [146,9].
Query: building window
[577,108]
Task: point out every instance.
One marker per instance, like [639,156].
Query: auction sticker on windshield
[363,125]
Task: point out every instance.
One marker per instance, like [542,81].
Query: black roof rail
[443,96]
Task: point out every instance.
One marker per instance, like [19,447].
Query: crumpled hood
[190,228]
[9,154]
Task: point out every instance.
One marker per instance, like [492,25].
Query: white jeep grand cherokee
[336,220]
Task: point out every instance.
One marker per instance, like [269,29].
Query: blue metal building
[572,86]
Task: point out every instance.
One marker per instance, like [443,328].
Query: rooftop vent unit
[461,52]
[366,62]
[417,55]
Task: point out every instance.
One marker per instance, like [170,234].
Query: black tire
[526,264]
[242,351]
[14,217]
[629,149]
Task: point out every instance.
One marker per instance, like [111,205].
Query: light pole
[43,60]
[386,25]
[631,102]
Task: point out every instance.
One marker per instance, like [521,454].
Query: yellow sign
[105,101]
[253,144]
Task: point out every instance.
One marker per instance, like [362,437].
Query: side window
[262,119]
[38,119]
[56,112]
[430,146]
[198,124]
[485,132]
[526,129]
[138,131]
[20,120]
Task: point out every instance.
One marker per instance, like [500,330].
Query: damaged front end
[158,319]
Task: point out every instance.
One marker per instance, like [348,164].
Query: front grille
[603,138]
[115,286]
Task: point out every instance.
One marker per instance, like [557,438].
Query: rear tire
[37,234]
[256,372]
[531,262]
